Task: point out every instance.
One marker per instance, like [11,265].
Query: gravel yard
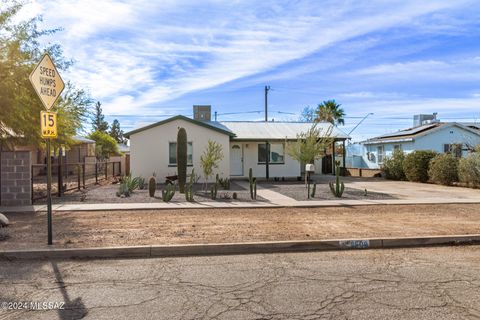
[107,194]
[144,227]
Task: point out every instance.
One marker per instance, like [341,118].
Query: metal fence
[71,176]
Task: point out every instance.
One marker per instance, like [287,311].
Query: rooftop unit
[421,119]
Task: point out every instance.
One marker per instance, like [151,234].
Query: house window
[397,147]
[277,153]
[172,154]
[380,154]
[455,149]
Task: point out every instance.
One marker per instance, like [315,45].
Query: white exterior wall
[290,168]
[149,149]
[434,141]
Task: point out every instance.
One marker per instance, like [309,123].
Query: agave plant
[127,185]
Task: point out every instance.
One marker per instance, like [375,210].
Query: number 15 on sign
[48,124]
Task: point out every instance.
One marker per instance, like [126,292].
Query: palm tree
[330,111]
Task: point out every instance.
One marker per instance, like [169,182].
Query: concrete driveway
[408,190]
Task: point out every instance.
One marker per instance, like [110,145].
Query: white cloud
[145,53]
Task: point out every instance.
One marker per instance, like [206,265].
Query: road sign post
[48,85]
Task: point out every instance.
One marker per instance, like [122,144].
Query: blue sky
[145,60]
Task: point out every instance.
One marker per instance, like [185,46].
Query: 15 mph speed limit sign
[48,124]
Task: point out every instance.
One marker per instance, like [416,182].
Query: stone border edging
[152,251]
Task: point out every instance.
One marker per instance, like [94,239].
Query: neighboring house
[153,148]
[77,153]
[82,149]
[442,137]
[123,148]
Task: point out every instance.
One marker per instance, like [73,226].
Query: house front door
[236,160]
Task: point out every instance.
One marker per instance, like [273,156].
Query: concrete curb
[151,251]
[234,205]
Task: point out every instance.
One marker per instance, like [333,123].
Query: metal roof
[252,130]
[255,130]
[82,139]
[206,124]
[412,133]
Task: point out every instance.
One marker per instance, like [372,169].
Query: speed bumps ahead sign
[47,82]
[48,124]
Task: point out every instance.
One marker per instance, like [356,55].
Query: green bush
[393,166]
[469,170]
[416,165]
[443,169]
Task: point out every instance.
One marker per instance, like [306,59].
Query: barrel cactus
[152,186]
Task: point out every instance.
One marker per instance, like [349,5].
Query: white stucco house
[244,144]
[442,137]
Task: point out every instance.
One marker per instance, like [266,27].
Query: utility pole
[267,145]
[267,88]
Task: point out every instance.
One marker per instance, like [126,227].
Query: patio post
[333,156]
[344,157]
[267,160]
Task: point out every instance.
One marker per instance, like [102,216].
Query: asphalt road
[423,283]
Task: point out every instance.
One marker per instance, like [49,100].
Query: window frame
[270,162]
[453,148]
[170,164]
[380,155]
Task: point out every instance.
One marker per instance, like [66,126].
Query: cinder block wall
[16,185]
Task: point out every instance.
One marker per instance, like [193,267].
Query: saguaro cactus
[253,184]
[337,188]
[182,159]
[189,188]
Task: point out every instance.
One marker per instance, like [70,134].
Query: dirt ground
[121,228]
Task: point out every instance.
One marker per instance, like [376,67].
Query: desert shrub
[443,169]
[416,165]
[393,166]
[469,170]
[127,185]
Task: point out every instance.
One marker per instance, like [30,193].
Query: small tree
[210,158]
[309,114]
[310,145]
[105,145]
